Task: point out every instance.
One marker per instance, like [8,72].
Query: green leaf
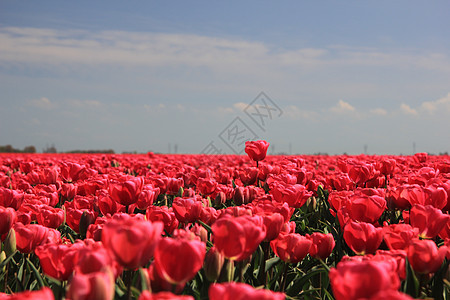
[299,282]
[271,262]
[36,273]
[143,280]
[207,227]
[6,261]
[411,283]
[437,286]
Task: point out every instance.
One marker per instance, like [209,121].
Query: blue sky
[160,75]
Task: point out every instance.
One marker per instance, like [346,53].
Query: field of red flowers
[224,227]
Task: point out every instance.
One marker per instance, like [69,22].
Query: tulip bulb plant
[155,226]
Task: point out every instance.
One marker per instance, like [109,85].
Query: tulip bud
[238,196]
[96,285]
[86,220]
[203,234]
[180,192]
[213,264]
[220,199]
[10,242]
[2,259]
[311,204]
[227,273]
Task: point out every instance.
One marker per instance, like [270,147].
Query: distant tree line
[11,149]
[107,151]
[50,149]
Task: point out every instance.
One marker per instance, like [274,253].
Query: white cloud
[378,111]
[296,113]
[226,110]
[342,107]
[438,105]
[50,46]
[240,106]
[84,103]
[43,103]
[408,110]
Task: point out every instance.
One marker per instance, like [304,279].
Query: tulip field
[219,227]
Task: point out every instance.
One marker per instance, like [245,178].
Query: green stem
[324,265]
[128,279]
[25,266]
[262,268]
[283,279]
[241,271]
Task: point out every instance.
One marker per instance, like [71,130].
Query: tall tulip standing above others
[256,150]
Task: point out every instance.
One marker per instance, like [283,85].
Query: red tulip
[206,186]
[241,291]
[58,261]
[28,237]
[125,190]
[391,295]
[68,191]
[399,236]
[159,284]
[73,215]
[70,171]
[429,220]
[363,238]
[407,195]
[146,295]
[94,257]
[174,185]
[108,206]
[11,198]
[322,245]
[50,217]
[352,280]
[425,257]
[256,150]
[165,215]
[146,198]
[44,294]
[187,210]
[292,247]
[178,260]
[365,208]
[294,195]
[7,219]
[238,237]
[386,166]
[248,175]
[91,286]
[361,173]
[131,241]
[273,222]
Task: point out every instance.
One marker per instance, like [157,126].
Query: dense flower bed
[224,227]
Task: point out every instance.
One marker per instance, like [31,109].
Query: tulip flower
[291,248]
[425,257]
[131,241]
[428,219]
[322,245]
[352,280]
[363,238]
[238,237]
[177,260]
[241,291]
